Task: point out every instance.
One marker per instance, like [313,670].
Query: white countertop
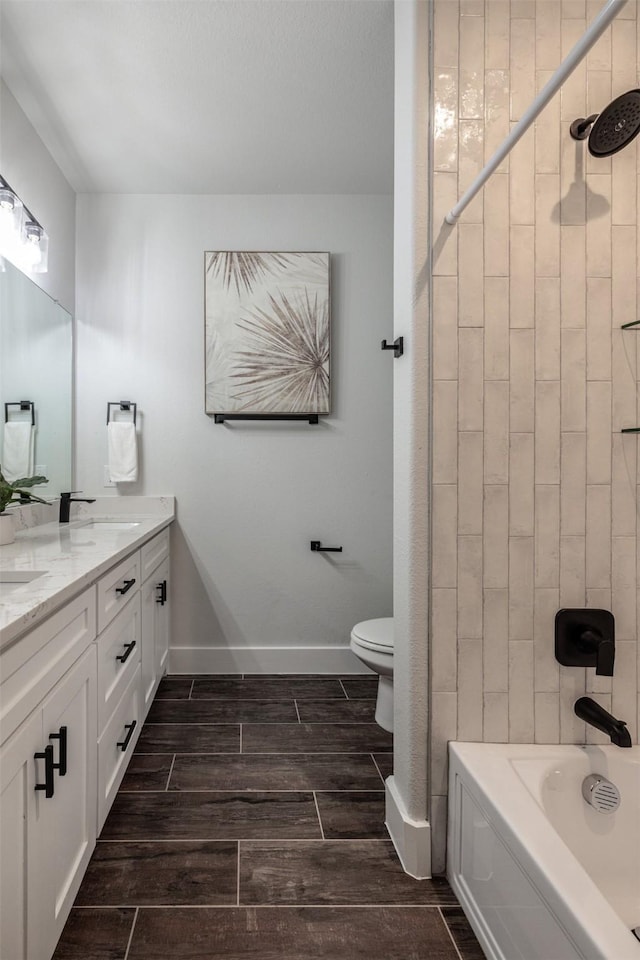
[72,556]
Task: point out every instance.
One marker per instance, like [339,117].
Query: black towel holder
[24,405]
[125,405]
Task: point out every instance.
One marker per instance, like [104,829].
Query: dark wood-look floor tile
[174,688]
[348,933]
[211,816]
[188,738]
[268,688]
[332,872]
[337,711]
[315,738]
[356,815]
[362,688]
[462,933]
[322,771]
[95,934]
[147,772]
[152,873]
[385,763]
[222,711]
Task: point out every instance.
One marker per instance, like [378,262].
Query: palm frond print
[244,270]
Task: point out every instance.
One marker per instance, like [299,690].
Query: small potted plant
[15,492]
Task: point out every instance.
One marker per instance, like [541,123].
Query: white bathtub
[541,874]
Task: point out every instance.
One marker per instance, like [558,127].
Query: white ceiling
[207,96]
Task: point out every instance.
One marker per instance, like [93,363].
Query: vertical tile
[522,260]
[445,33]
[444,521]
[547,433]
[438,819]
[496,432]
[471,154]
[470,690]
[598,536]
[445,328]
[599,431]
[599,57]
[598,96]
[547,535]
[547,717]
[496,718]
[470,388]
[469,588]
[624,184]
[521,485]
[573,90]
[496,328]
[599,225]
[572,571]
[445,119]
[444,708]
[573,364]
[624,687]
[496,111]
[573,261]
[548,46]
[623,56]
[572,686]
[521,588]
[521,717]
[547,327]
[496,641]
[470,279]
[522,65]
[495,531]
[623,486]
[573,187]
[497,35]
[496,226]
[599,328]
[623,264]
[470,483]
[623,586]
[573,466]
[444,640]
[471,67]
[445,431]
[548,128]
[445,240]
[546,667]
[521,376]
[523,9]
[522,187]
[573,10]
[547,260]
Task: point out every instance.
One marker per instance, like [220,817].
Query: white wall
[28,166]
[250,496]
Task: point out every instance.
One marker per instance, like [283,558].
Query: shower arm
[608,13]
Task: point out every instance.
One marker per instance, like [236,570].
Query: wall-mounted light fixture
[23,240]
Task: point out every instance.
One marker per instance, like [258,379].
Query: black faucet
[66,499]
[591,712]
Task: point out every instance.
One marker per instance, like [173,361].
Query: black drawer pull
[129,727]
[61,765]
[162,594]
[127,586]
[47,756]
[128,650]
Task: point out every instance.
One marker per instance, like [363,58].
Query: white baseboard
[411,838]
[188,660]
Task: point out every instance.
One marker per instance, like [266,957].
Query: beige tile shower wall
[534,487]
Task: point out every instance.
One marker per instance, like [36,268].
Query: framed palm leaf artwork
[267,332]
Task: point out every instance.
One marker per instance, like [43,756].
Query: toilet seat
[374,635]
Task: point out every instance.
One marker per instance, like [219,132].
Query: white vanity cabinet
[154,562]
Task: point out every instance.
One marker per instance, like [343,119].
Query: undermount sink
[109,525]
[13,579]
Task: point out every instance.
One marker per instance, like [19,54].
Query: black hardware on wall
[129,727]
[586,638]
[317,547]
[24,405]
[161,598]
[397,346]
[128,650]
[61,765]
[127,586]
[124,405]
[49,766]
[221,417]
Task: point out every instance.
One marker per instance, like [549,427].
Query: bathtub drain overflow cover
[600,793]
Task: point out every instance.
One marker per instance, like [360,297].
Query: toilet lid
[374,634]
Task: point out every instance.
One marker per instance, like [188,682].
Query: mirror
[36,366]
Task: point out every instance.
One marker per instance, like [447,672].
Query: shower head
[613,129]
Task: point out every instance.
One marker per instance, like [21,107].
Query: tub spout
[591,712]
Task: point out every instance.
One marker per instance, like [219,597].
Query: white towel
[122,451]
[18,450]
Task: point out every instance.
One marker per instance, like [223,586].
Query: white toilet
[372,642]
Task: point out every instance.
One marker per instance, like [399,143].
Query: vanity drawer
[118,657]
[153,553]
[116,745]
[116,588]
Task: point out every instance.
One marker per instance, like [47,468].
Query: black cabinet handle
[61,765]
[128,650]
[129,727]
[162,595]
[317,547]
[47,756]
[127,586]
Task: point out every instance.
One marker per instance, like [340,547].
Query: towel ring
[24,405]
[124,405]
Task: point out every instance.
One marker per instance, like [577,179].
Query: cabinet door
[155,630]
[19,858]
[161,579]
[66,823]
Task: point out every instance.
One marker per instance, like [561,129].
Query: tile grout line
[295,703]
[315,800]
[191,689]
[133,926]
[377,767]
[169,777]
[343,689]
[450,932]
[240,748]
[238,877]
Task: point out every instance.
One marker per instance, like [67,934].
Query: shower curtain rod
[568,65]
